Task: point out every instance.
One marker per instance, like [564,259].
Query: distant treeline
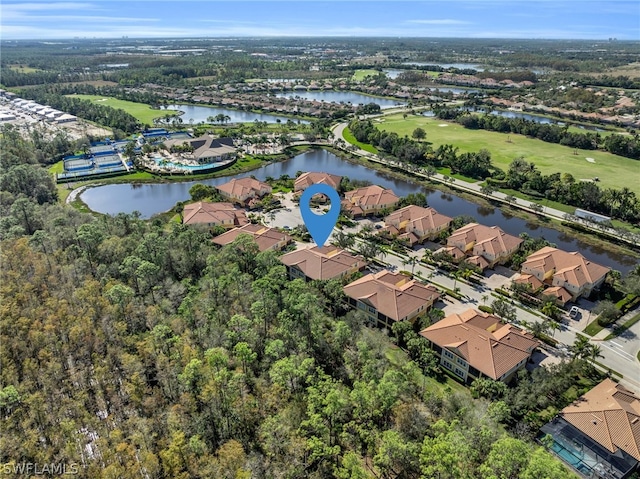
[619,81]
[623,145]
[122,122]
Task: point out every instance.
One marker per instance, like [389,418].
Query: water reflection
[485,211]
[150,199]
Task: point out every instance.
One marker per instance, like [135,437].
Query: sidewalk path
[476,187]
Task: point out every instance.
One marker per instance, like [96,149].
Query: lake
[150,199]
[201,113]
[459,66]
[341,97]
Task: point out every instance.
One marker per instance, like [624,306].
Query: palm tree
[484,298]
[411,260]
[343,240]
[580,347]
[554,326]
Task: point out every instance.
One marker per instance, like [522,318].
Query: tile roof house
[423,223]
[213,214]
[243,190]
[312,177]
[533,282]
[601,429]
[561,295]
[206,149]
[324,262]
[474,344]
[369,200]
[571,271]
[388,297]
[490,242]
[266,238]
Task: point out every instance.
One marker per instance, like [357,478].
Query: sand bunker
[443,124]
[590,160]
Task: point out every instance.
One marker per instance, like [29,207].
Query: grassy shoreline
[515,212]
[142,177]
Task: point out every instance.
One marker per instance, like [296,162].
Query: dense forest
[134,348]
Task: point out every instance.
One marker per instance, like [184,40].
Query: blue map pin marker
[320,226]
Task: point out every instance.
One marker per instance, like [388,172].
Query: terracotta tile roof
[610,415]
[243,187]
[355,210]
[478,261]
[484,239]
[213,213]
[456,253]
[323,262]
[392,294]
[416,217]
[373,195]
[559,293]
[528,279]
[570,268]
[313,177]
[266,238]
[481,339]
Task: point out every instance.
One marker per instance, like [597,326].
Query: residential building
[476,345]
[388,297]
[418,222]
[312,177]
[243,190]
[369,200]
[534,283]
[599,434]
[489,242]
[213,214]
[205,149]
[266,238]
[324,262]
[570,271]
[559,294]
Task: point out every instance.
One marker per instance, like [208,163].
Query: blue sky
[583,19]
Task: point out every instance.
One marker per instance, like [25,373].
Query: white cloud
[13,11]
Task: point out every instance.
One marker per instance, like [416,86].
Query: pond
[341,97]
[150,199]
[201,113]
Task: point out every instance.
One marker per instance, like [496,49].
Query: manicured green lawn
[24,69]
[57,167]
[348,136]
[623,327]
[360,75]
[144,113]
[593,328]
[612,170]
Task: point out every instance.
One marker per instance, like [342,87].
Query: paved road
[617,355]
[476,187]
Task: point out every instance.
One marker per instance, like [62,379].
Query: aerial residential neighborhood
[349,240]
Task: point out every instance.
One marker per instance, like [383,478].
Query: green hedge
[485,309]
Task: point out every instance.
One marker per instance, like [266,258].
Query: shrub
[485,309]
